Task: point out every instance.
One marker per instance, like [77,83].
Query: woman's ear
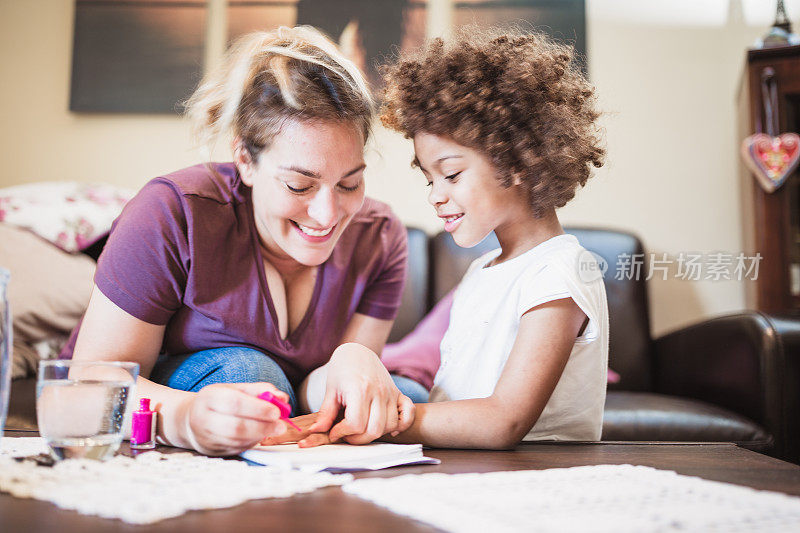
[244,163]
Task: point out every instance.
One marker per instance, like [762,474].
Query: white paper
[339,457]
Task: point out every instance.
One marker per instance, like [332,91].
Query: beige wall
[667,73]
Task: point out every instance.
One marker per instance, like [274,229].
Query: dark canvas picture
[245,16]
[367,31]
[564,20]
[141,56]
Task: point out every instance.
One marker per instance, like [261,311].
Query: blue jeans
[237,364]
[411,388]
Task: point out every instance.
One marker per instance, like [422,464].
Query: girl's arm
[355,379]
[541,349]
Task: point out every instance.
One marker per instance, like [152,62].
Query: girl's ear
[244,163]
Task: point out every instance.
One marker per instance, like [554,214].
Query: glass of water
[81,406]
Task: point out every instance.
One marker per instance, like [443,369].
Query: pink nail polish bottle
[143,427]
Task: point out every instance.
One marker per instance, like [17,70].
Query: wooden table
[331,510]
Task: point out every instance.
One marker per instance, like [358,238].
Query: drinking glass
[5,348]
[81,406]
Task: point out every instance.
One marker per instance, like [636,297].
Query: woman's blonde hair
[267,78]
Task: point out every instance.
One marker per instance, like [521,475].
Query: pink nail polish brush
[284,407]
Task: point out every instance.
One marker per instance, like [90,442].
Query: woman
[247,276]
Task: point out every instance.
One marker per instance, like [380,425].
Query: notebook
[339,457]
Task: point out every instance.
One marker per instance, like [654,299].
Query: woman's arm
[355,380]
[219,420]
[541,349]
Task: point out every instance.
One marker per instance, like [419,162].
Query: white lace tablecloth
[151,487]
[612,498]
[22,446]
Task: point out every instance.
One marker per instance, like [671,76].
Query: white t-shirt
[484,321]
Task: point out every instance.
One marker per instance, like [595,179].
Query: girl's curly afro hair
[517,98]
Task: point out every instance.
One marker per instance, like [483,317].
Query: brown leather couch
[734,378]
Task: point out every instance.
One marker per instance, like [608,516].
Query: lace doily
[151,487]
[613,498]
[22,446]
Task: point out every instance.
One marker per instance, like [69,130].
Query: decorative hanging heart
[771,159]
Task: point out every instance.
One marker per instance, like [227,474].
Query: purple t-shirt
[185,253]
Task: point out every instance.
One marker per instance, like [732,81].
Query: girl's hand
[358,382]
[228,418]
[304,438]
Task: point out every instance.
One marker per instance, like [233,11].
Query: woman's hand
[228,418]
[358,382]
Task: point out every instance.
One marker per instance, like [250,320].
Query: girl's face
[464,189]
[306,187]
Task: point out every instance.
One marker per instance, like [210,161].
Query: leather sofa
[734,378]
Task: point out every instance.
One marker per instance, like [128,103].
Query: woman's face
[307,186]
[464,189]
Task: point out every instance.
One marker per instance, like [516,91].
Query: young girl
[504,130]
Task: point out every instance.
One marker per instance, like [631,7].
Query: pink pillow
[416,356]
[71,215]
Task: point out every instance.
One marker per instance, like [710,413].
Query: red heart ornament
[771,159]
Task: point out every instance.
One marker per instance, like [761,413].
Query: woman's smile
[312,234]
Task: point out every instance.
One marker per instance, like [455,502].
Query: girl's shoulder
[564,260]
[566,270]
[562,249]
[481,262]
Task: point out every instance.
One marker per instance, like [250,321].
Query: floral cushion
[70,215]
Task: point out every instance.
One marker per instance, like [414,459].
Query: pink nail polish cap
[284,407]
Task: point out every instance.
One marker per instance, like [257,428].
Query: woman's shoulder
[218,182]
[174,198]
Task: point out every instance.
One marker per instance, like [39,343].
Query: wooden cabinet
[772,220]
